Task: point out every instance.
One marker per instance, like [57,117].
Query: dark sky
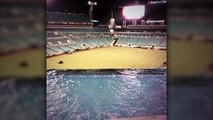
[102,11]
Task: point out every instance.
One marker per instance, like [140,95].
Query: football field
[110,57]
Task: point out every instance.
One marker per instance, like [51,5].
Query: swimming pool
[105,94]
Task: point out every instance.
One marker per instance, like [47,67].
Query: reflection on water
[104,96]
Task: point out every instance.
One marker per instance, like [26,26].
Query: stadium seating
[57,41]
[182,27]
[80,38]
[64,17]
[21,28]
[50,51]
[142,41]
[14,13]
[163,43]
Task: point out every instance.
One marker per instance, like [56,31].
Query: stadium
[121,40]
[108,63]
[190,46]
[21,75]
[22,35]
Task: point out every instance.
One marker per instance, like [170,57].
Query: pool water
[104,95]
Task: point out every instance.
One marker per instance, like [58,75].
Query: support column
[124,23]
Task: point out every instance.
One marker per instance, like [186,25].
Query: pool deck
[158,117]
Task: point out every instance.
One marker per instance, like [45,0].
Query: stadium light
[134,12]
[91,8]
[92,3]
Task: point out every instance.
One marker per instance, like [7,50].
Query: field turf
[110,57]
[11,64]
[184,59]
[188,58]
